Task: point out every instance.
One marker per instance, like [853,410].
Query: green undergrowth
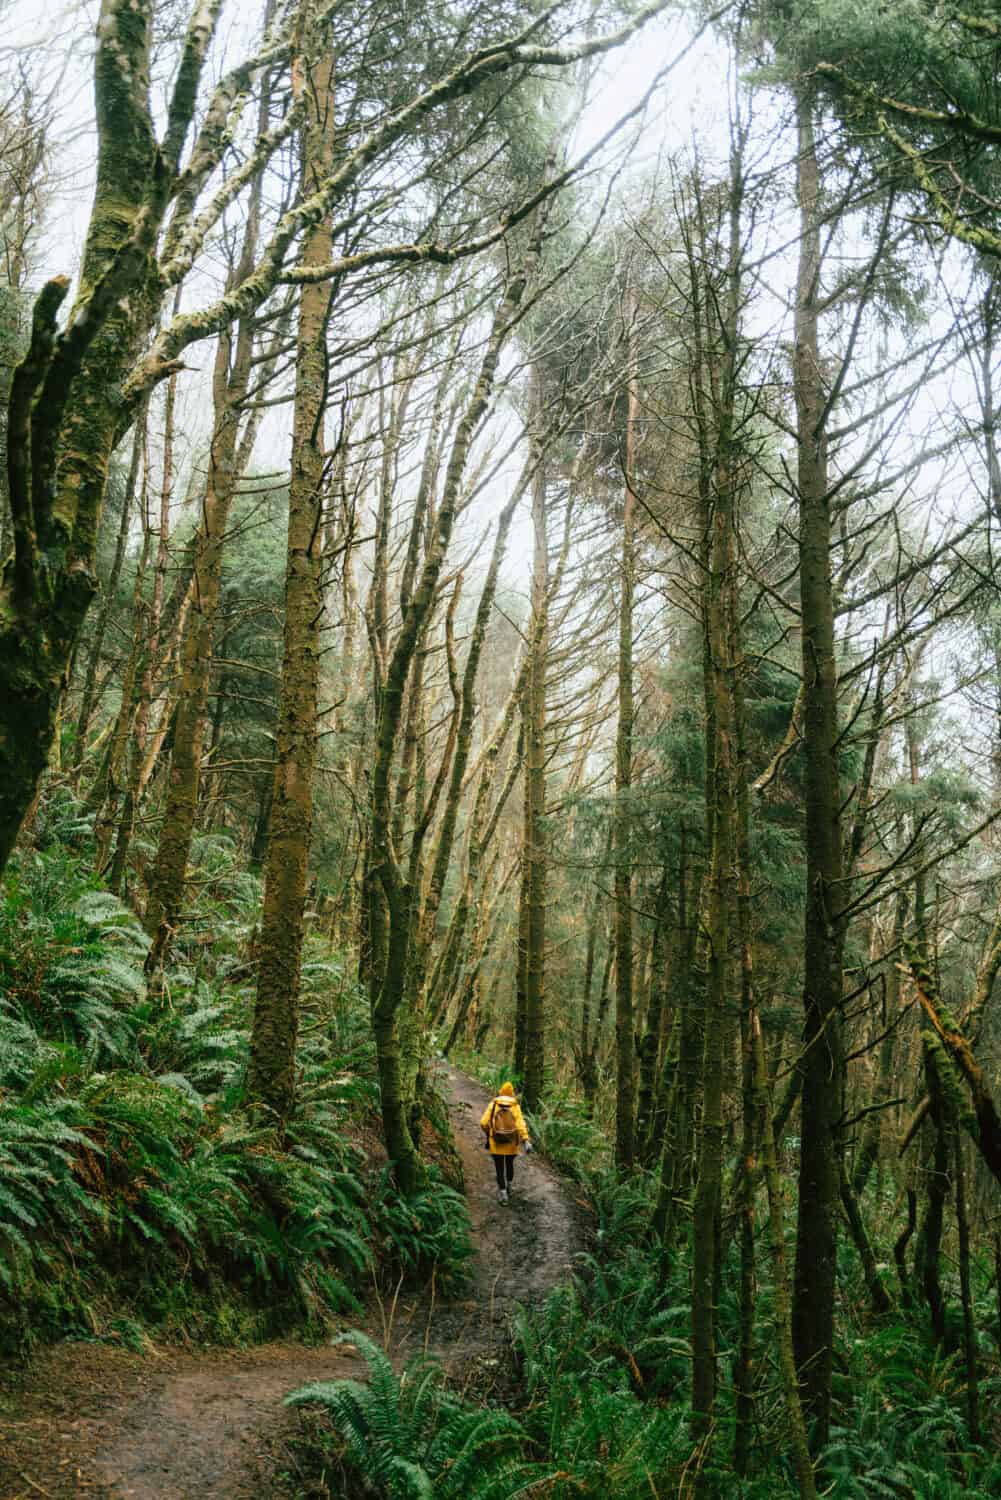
[135,1192]
[603,1371]
[601,1405]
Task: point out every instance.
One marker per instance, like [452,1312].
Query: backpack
[503,1125]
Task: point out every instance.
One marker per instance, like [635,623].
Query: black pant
[504,1167]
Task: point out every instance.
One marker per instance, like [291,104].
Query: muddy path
[92,1420]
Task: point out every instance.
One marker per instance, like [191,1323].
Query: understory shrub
[425,1238]
[131,1179]
[406,1437]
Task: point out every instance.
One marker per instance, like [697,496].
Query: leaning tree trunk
[271,1074]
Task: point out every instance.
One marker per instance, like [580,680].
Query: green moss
[954,1092]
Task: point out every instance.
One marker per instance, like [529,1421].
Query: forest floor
[91,1419]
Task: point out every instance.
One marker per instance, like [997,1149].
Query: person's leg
[498,1162]
[510,1169]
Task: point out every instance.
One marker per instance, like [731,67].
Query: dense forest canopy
[499,531]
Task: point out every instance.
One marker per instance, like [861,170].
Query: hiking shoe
[501,1195]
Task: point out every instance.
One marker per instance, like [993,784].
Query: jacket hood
[507,1088]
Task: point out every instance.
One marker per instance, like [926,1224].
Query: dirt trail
[97,1421]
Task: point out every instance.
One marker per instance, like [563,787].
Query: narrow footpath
[98,1421]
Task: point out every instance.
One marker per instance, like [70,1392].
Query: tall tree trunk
[625,1043]
[88,697]
[649,1052]
[744,1382]
[719,903]
[536,852]
[274,1035]
[873,1132]
[520,1041]
[966,1293]
[677,1162]
[589,1025]
[928,1246]
[776,1237]
[821,1064]
[170,869]
[106,791]
[716,322]
[387,990]
[152,625]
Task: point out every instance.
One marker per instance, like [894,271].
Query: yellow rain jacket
[506,1096]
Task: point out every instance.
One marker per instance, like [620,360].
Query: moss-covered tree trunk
[649,1051]
[799,1440]
[872,1132]
[966,1294]
[64,412]
[88,694]
[536,852]
[625,1026]
[67,407]
[520,1039]
[718,906]
[151,622]
[271,1074]
[744,1380]
[821,1063]
[105,794]
[167,884]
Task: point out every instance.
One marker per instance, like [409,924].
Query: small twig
[28,1480]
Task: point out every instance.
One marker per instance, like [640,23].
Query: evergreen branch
[961,122]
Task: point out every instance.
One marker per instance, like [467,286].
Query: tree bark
[274,1035]
[536,852]
[966,1293]
[169,873]
[649,1052]
[66,410]
[783,1312]
[879,1298]
[821,1063]
[625,1045]
[152,626]
[88,697]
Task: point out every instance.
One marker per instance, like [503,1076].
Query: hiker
[504,1127]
